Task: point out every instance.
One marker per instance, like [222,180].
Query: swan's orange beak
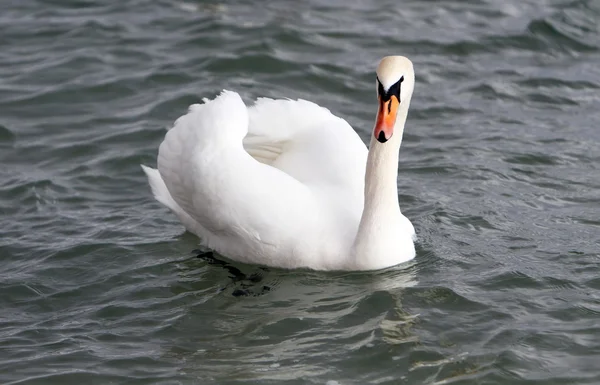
[386,118]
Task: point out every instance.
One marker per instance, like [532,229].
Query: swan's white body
[282,183]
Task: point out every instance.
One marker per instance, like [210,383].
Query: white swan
[288,184]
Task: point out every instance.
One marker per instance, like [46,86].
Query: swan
[285,183]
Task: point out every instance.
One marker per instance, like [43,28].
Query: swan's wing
[190,144]
[306,141]
[305,196]
[244,209]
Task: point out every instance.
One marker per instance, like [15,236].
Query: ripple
[254,63]
[6,135]
[544,82]
[533,159]
[554,36]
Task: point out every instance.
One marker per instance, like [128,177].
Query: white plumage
[282,183]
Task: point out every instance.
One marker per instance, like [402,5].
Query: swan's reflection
[304,324]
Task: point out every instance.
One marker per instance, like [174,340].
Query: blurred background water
[498,172]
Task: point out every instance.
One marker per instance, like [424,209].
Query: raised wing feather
[193,140]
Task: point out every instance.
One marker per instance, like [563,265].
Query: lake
[499,173]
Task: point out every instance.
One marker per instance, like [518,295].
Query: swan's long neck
[381,189]
[381,214]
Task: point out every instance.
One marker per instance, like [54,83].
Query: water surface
[498,173]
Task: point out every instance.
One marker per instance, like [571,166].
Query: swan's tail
[159,189]
[162,194]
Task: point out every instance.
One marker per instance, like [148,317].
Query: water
[498,172]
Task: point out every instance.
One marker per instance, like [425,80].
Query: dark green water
[499,173]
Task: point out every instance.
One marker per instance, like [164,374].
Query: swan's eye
[380,89]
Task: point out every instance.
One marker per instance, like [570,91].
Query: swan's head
[395,83]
